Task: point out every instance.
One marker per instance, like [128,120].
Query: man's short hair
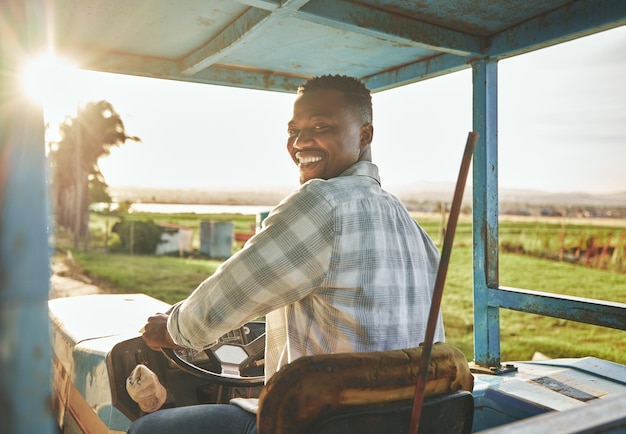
[356,94]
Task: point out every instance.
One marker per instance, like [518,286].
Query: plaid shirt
[338,266]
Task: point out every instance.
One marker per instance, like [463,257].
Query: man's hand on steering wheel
[155,333]
[157,337]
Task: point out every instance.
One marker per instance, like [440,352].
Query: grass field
[172,278]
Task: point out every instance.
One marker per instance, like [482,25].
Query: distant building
[174,239]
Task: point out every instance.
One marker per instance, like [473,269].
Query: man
[339,265]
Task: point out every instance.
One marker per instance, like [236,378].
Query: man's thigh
[197,419]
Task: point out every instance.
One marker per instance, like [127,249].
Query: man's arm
[280,265]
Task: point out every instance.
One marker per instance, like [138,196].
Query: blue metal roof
[273,45]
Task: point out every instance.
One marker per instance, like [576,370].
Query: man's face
[325,137]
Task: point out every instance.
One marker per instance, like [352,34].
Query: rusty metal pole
[455,210]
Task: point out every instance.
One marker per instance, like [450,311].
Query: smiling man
[330,129]
[339,265]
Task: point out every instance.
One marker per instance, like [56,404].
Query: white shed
[175,238]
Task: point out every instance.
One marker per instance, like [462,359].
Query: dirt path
[66,280]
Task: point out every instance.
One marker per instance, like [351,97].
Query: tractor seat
[368,393]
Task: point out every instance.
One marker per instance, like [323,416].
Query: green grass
[167,278]
[171,279]
[523,334]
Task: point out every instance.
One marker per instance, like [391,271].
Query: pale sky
[562,126]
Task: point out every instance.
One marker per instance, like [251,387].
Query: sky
[562,126]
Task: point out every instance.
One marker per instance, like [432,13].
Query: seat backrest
[303,394]
[451,413]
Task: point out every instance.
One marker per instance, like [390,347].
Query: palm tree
[74,163]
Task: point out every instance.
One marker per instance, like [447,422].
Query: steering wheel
[232,357]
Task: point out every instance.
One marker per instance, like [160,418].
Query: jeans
[196,419]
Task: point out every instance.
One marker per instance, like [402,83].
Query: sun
[48,78]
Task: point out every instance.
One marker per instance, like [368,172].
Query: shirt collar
[363,168]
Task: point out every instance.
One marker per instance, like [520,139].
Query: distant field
[172,278]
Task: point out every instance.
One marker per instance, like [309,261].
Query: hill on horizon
[431,192]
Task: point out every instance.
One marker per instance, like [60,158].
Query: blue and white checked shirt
[339,266]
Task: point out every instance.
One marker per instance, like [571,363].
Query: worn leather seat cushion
[316,387]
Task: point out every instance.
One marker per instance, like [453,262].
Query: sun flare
[48,78]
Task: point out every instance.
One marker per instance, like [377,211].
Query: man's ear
[367,134]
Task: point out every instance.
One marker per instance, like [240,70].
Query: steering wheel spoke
[235,358]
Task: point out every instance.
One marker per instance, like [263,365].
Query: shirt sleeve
[280,265]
